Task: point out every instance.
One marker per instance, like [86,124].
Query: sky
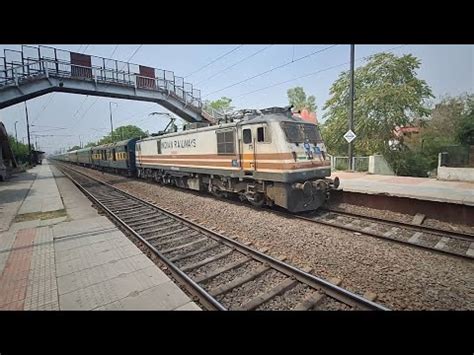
[253,76]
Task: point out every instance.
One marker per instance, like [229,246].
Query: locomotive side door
[248,157]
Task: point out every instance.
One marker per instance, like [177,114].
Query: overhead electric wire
[80,106]
[43,109]
[233,65]
[314,73]
[270,70]
[41,125]
[133,55]
[113,52]
[213,61]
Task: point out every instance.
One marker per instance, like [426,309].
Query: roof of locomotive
[273,114]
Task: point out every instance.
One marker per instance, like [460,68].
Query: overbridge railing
[32,63]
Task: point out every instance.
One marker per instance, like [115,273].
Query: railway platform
[456,192]
[58,253]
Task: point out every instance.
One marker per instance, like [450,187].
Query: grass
[40,215]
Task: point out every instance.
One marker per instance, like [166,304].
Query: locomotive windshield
[301,132]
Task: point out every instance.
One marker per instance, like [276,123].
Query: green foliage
[122,133]
[342,165]
[387,94]
[222,105]
[406,162]
[19,149]
[451,123]
[76,147]
[465,130]
[90,144]
[297,98]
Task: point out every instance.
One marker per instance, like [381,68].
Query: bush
[409,163]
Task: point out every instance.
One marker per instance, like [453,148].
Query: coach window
[247,136]
[113,155]
[158,147]
[225,142]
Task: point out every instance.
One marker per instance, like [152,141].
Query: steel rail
[333,291]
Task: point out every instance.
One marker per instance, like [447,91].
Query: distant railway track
[222,273]
[443,241]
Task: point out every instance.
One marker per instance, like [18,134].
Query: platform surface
[58,253]
[411,187]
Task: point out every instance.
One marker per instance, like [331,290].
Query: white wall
[378,165]
[457,174]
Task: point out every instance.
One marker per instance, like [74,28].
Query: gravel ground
[287,300]
[230,275]
[233,257]
[403,277]
[179,252]
[329,304]
[210,253]
[243,294]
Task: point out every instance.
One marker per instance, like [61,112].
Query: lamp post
[111,119]
[16,136]
[28,133]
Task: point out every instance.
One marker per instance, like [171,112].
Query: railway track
[222,273]
[447,242]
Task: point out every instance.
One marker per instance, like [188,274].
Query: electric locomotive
[268,157]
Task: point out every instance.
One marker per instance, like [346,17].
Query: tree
[222,105]
[387,94]
[451,123]
[76,147]
[297,98]
[465,131]
[123,133]
[19,149]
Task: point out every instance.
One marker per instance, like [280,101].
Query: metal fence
[341,163]
[360,163]
[457,156]
[33,62]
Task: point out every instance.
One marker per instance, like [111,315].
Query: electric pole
[351,104]
[111,121]
[28,133]
[16,136]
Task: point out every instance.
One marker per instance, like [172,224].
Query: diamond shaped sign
[349,136]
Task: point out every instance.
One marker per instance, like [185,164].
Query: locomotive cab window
[247,135]
[301,132]
[262,135]
[225,142]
